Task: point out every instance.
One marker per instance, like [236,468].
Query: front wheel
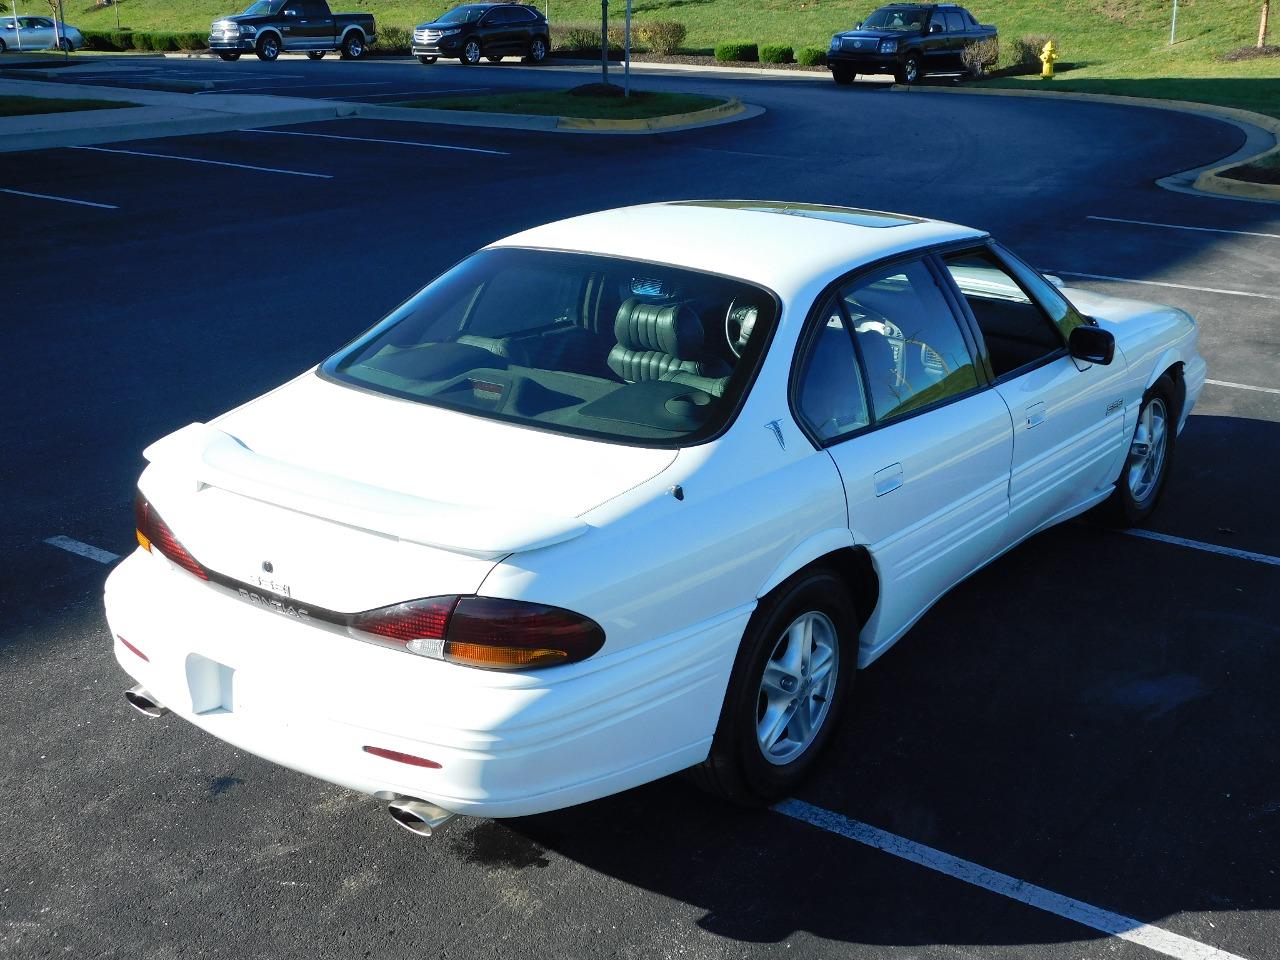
[353,46]
[471,53]
[229,57]
[315,54]
[1146,467]
[268,47]
[427,60]
[789,683]
[537,50]
[910,71]
[842,75]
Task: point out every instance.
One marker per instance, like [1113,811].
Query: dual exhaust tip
[419,817]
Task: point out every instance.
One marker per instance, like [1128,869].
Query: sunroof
[850,215]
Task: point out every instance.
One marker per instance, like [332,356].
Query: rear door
[37,33]
[922,444]
[957,38]
[500,33]
[317,24]
[1068,416]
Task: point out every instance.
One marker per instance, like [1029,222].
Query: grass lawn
[24,106]
[558,103]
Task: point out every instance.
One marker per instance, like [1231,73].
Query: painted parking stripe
[1163,283]
[419,93]
[1206,547]
[213,163]
[82,549]
[1177,226]
[1242,386]
[50,196]
[1126,928]
[402,143]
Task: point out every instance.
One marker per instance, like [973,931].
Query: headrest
[670,328]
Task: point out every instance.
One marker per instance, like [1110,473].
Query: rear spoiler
[216,459]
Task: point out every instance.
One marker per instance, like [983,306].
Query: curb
[1202,180]
[696,118]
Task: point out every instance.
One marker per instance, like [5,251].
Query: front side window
[265,8]
[913,353]
[574,343]
[830,396]
[1017,332]
[467,14]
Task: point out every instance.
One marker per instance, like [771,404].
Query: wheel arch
[270,31]
[837,551]
[350,29]
[1170,363]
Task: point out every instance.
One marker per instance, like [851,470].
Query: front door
[936,45]
[1068,416]
[922,444]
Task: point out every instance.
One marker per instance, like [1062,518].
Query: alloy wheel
[797,687]
[1148,449]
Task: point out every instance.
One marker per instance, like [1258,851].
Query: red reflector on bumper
[132,649]
[399,757]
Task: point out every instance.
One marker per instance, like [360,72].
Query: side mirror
[1092,344]
[858,25]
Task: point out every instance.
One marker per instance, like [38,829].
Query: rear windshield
[597,346]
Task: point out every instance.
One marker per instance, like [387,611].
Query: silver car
[38,33]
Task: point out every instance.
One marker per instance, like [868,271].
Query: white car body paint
[360,500]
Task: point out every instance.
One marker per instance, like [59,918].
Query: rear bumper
[507,744]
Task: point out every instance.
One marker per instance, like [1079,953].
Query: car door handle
[1035,415]
[887,480]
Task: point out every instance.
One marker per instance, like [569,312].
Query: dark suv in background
[489,30]
[910,40]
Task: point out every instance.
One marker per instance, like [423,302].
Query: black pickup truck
[911,40]
[270,27]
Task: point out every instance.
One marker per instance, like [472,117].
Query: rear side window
[913,353]
[830,396]
[955,23]
[522,15]
[573,343]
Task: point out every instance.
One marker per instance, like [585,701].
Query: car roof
[783,246]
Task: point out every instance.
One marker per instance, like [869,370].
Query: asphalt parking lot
[1092,717]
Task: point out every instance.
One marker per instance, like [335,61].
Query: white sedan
[631,493]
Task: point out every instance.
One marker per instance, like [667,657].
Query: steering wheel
[739,321]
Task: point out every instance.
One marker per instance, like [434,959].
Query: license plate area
[211,685]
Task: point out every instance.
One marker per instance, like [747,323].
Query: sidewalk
[158,114]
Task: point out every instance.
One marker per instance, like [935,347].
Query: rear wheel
[2,46]
[268,47]
[422,59]
[65,44]
[229,57]
[353,45]
[789,683]
[537,50]
[471,53]
[842,75]
[1151,449]
[315,54]
[494,59]
[910,71]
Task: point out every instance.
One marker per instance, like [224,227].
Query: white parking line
[1162,283]
[1206,547]
[1175,226]
[1118,925]
[50,196]
[214,163]
[82,549]
[1242,386]
[420,93]
[401,143]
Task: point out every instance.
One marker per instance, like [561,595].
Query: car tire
[315,54]
[1149,458]
[427,60]
[229,57]
[842,75]
[2,46]
[910,71]
[470,53]
[65,45]
[753,761]
[268,47]
[537,50]
[494,59]
[353,45]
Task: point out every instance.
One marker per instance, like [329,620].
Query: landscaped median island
[26,106]
[591,103]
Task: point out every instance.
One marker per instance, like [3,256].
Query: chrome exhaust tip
[418,816]
[141,700]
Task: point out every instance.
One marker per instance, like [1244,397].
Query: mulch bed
[1251,53]
[1253,174]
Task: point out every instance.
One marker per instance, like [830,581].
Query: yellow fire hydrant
[1047,57]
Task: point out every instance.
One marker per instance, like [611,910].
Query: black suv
[489,30]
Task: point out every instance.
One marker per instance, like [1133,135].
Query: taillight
[483,632]
[154,534]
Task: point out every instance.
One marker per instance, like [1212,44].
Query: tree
[1262,24]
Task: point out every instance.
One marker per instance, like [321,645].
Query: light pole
[626,69]
[1173,26]
[604,41]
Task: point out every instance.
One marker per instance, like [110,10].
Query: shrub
[164,41]
[193,41]
[979,57]
[140,41]
[584,39]
[776,53]
[812,57]
[1026,51]
[394,39]
[737,52]
[98,40]
[662,37]
[122,40]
